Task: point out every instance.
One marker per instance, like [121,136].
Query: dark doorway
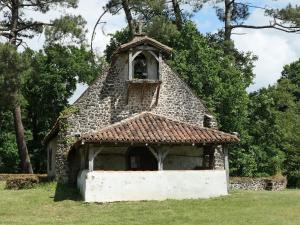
[140,158]
[208,158]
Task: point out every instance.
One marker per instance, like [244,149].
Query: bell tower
[144,61]
[144,74]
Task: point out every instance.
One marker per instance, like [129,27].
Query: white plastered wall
[110,186]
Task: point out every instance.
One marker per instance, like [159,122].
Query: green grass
[48,204]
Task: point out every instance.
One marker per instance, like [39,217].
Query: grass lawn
[47,204]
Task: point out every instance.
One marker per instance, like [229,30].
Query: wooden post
[226,165]
[82,159]
[159,66]
[160,156]
[91,159]
[130,59]
[160,161]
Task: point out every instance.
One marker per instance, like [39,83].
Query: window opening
[140,67]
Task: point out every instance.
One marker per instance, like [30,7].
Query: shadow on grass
[66,192]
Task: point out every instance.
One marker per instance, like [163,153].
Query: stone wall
[219,163]
[108,101]
[258,184]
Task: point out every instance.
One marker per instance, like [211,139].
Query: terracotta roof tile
[150,128]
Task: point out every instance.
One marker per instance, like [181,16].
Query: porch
[130,173]
[150,157]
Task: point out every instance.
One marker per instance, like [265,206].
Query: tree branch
[5,34]
[40,3]
[275,26]
[36,24]
[95,27]
[251,6]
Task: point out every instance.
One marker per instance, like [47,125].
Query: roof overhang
[143,40]
[152,129]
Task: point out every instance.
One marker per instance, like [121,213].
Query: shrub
[23,181]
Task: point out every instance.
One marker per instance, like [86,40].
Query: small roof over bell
[142,39]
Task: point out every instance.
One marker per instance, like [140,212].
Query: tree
[178,16]
[265,133]
[12,65]
[55,71]
[15,26]
[114,7]
[236,12]
[292,73]
[288,119]
[274,124]
[9,160]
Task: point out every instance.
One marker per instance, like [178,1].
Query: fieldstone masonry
[258,184]
[111,98]
[219,163]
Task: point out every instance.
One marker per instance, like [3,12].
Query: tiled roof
[149,128]
[141,39]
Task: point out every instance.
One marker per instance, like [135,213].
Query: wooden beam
[154,55]
[159,65]
[130,60]
[146,48]
[136,54]
[226,165]
[160,156]
[97,152]
[82,159]
[91,159]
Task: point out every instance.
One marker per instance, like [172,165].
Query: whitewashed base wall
[110,186]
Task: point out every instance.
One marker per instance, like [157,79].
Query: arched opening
[140,158]
[140,70]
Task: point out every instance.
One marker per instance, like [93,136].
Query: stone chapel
[139,133]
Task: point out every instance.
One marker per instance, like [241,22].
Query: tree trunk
[22,147]
[228,17]
[125,5]
[19,128]
[177,12]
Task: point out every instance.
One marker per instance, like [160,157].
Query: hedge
[23,181]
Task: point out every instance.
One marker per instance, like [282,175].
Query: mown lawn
[48,204]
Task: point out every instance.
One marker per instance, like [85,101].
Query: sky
[273,48]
